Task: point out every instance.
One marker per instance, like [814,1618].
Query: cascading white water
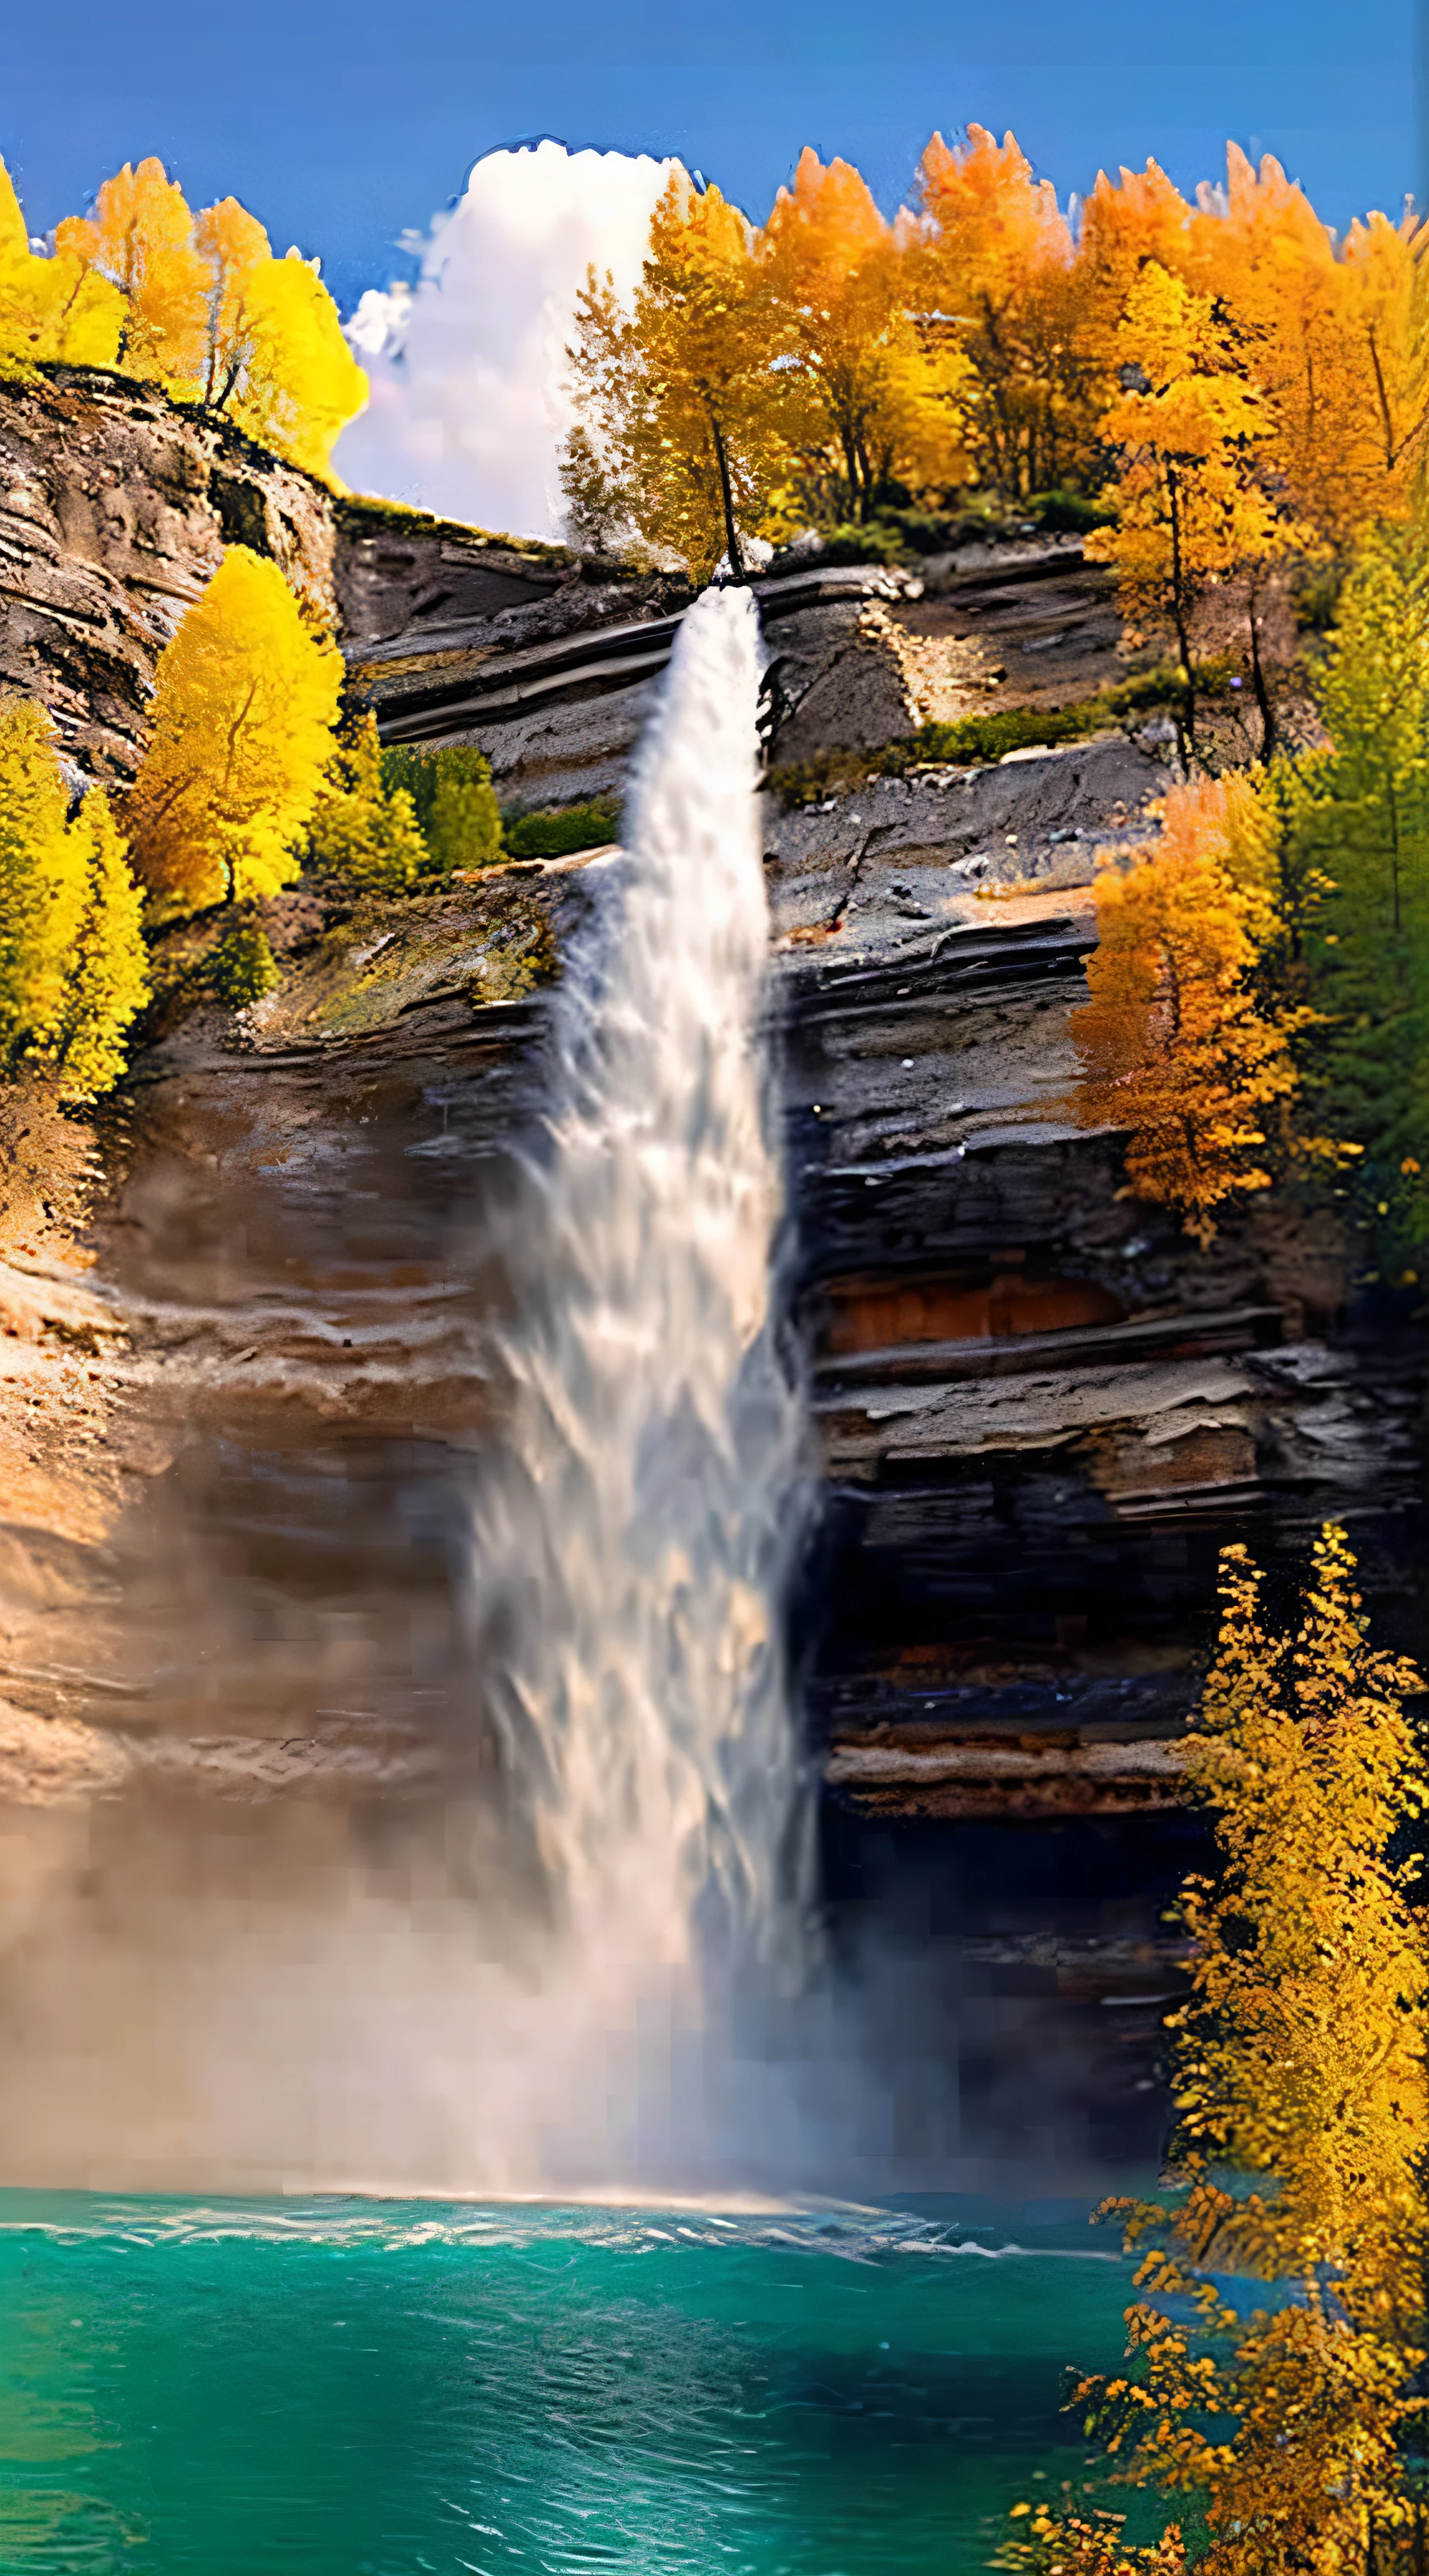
[632,1542]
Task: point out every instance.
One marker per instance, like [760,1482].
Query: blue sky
[343,123]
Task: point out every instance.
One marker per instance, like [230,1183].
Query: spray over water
[631,1544]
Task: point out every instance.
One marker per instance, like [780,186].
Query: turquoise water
[360,2389]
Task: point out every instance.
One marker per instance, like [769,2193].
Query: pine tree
[1360,831]
[245,700]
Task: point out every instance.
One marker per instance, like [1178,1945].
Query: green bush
[454,802]
[241,968]
[560,831]
[1068,514]
[359,836]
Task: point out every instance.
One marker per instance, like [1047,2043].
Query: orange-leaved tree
[1174,1044]
[245,700]
[1290,2423]
[1192,496]
[682,396]
[1332,335]
[882,400]
[1002,284]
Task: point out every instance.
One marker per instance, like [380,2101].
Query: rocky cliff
[242,1416]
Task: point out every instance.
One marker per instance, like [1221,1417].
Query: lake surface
[344,2388]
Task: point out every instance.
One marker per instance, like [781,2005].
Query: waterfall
[633,1535]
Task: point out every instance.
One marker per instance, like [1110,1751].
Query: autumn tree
[359,832]
[140,237]
[245,699]
[1300,2069]
[881,400]
[683,396]
[72,963]
[1126,223]
[1174,1044]
[196,304]
[51,308]
[107,975]
[1002,286]
[1332,334]
[1191,497]
[285,373]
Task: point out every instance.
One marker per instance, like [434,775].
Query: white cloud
[468,401]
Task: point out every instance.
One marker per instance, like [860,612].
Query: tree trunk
[731,532]
[1179,605]
[1257,681]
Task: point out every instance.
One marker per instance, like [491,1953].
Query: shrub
[453,801]
[559,832]
[241,968]
[359,835]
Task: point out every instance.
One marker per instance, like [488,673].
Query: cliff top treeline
[194,303]
[829,367]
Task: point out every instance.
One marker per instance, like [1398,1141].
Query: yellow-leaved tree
[359,832]
[198,305]
[282,368]
[51,308]
[72,961]
[1290,2426]
[881,400]
[1001,284]
[682,398]
[1174,1043]
[140,237]
[245,700]
[1191,494]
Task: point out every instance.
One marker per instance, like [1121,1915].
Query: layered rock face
[115,508]
[231,1573]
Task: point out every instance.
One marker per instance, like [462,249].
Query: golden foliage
[881,400]
[1173,1043]
[1004,285]
[51,308]
[1191,496]
[358,833]
[683,393]
[72,963]
[1300,2059]
[245,699]
[195,304]
[140,237]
